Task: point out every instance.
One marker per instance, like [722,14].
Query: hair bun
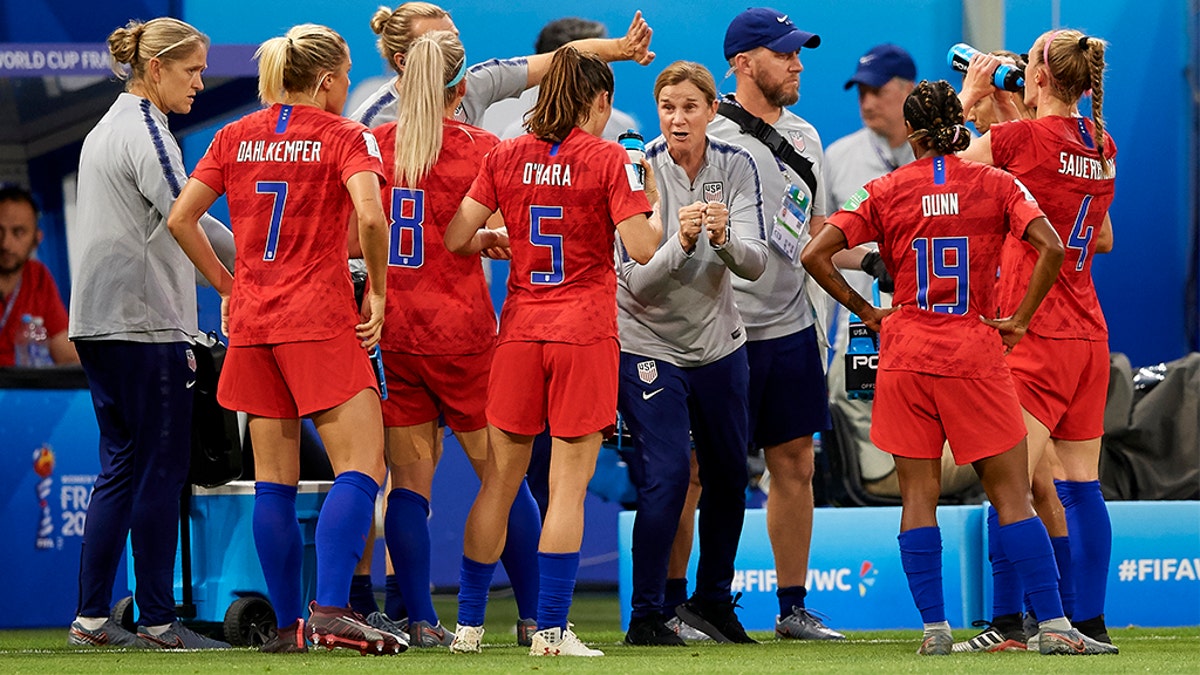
[380,20]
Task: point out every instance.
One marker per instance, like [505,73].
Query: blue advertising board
[854,574]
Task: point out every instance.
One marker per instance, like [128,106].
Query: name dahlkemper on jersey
[546,174]
[1084,167]
[279,151]
[939,205]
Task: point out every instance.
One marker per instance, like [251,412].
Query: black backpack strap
[779,146]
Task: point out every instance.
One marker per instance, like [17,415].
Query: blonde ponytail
[295,62]
[434,64]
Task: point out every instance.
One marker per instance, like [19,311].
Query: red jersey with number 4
[1055,157]
[438,302]
[940,223]
[284,172]
[561,203]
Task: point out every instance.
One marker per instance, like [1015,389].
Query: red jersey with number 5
[561,203]
[940,223]
[438,302]
[1055,157]
[284,171]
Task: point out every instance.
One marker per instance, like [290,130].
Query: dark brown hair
[565,100]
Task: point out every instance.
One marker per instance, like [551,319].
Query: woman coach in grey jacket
[133,312]
[683,364]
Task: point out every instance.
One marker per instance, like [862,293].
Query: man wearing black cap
[788,398]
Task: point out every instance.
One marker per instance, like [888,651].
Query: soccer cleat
[558,642]
[1002,635]
[109,634]
[803,624]
[179,636]
[715,619]
[683,630]
[331,627]
[1071,642]
[1094,628]
[383,622]
[525,630]
[936,642]
[287,640]
[652,631]
[467,639]
[1030,626]
[422,634]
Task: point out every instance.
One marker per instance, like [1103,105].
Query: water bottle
[1007,77]
[635,145]
[32,349]
[376,357]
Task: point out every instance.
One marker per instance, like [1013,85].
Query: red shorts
[294,379]
[572,386]
[1063,384]
[915,412]
[422,387]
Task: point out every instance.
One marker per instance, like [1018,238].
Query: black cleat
[715,619]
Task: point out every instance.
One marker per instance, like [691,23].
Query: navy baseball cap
[878,66]
[766,27]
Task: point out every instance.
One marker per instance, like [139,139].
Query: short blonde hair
[132,46]
[296,61]
[394,28]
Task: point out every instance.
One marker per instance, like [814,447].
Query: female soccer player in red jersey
[1062,368]
[440,330]
[940,223]
[564,193]
[292,173]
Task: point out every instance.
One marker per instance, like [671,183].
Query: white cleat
[467,639]
[558,642]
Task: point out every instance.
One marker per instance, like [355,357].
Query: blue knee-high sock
[1028,548]
[1091,544]
[789,597]
[393,601]
[556,574]
[1066,578]
[342,530]
[1006,585]
[921,557]
[675,595]
[474,581]
[362,595]
[520,552]
[406,528]
[280,549]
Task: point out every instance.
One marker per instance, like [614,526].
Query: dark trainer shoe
[715,619]
[287,640]
[652,631]
[111,634]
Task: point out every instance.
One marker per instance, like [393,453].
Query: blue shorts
[788,395]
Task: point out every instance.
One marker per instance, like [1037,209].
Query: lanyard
[887,158]
[12,299]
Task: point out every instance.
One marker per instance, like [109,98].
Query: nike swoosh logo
[647,395]
[191,384]
[177,643]
[781,19]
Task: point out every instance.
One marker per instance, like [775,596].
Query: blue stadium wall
[1142,283]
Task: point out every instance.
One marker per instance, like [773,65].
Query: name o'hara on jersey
[279,151]
[1085,167]
[546,174]
[945,204]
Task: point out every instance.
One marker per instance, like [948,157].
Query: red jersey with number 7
[561,203]
[940,223]
[1055,157]
[438,302]
[284,171]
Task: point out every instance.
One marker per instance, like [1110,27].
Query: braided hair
[936,116]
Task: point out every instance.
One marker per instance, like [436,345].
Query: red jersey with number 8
[561,203]
[1055,157]
[940,223]
[284,171]
[438,302]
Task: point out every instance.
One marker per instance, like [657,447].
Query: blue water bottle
[377,362]
[1007,77]
[635,145]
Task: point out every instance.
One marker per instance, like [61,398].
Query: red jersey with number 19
[1055,157]
[561,203]
[940,223]
[284,173]
[438,302]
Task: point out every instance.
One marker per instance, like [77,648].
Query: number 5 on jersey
[408,215]
[554,242]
